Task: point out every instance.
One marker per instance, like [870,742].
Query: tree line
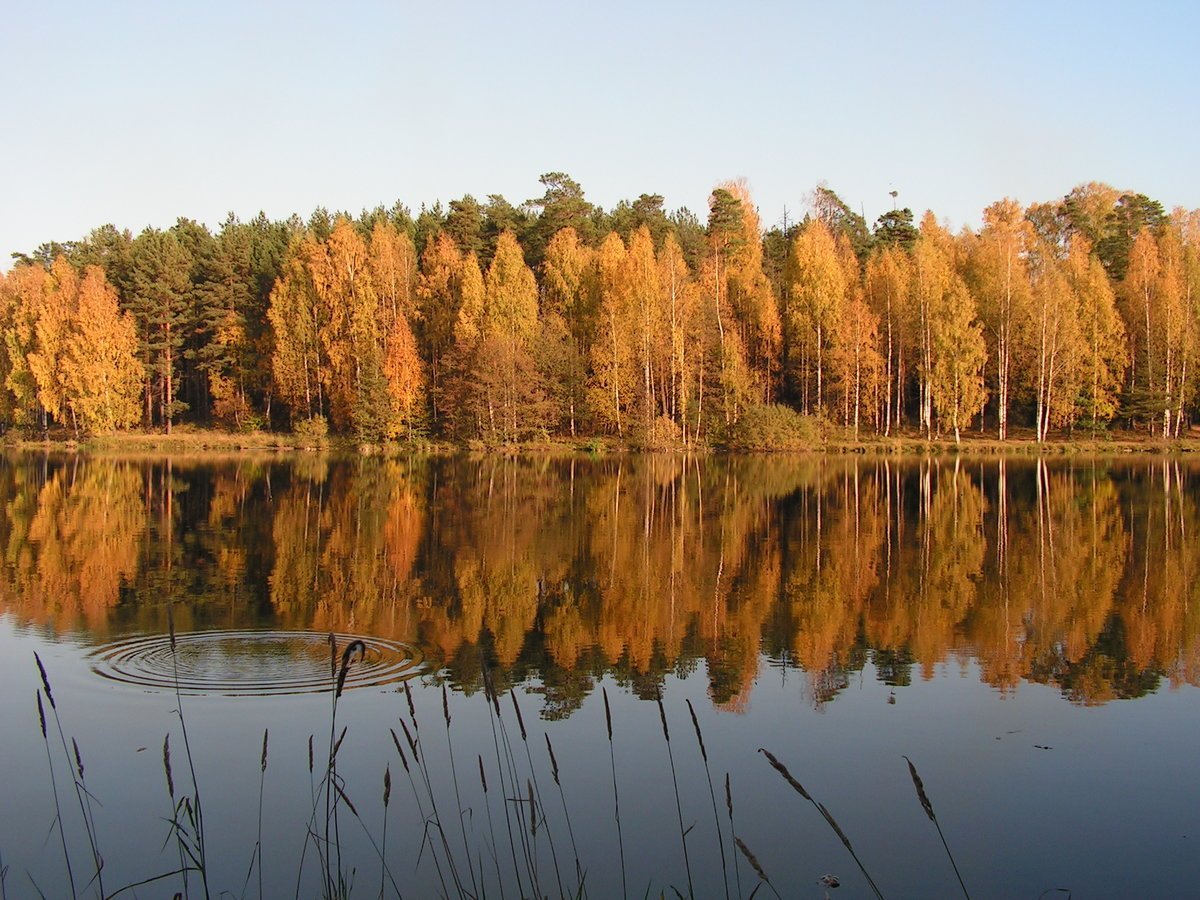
[499,323]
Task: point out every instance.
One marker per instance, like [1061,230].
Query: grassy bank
[823,440]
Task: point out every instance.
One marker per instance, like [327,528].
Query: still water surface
[1026,632]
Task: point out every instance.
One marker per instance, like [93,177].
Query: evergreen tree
[160,300]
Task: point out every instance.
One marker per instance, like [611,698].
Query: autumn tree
[229,341]
[497,385]
[888,284]
[568,322]
[816,300]
[649,322]
[445,275]
[1187,225]
[748,290]
[102,373]
[1057,342]
[393,263]
[613,366]
[685,365]
[349,332]
[25,290]
[952,350]
[724,266]
[296,318]
[1141,308]
[1000,281]
[1177,326]
[1102,332]
[53,320]
[859,362]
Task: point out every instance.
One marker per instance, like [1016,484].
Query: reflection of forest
[1078,574]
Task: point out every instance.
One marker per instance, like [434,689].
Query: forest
[489,324]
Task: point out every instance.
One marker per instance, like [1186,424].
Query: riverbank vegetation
[486,324]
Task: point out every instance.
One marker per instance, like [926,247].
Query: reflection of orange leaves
[566,635]
[657,562]
[85,535]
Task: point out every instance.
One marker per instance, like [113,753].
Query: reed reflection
[1080,574]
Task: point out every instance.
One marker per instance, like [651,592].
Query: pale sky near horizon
[139,113]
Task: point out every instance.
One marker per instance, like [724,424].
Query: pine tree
[160,294]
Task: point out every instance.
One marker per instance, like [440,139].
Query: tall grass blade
[457,795]
[81,795]
[497,724]
[566,814]
[198,809]
[612,756]
[62,834]
[755,865]
[712,795]
[687,864]
[927,805]
[737,870]
[491,830]
[536,795]
[825,814]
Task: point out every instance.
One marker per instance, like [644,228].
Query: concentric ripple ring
[251,663]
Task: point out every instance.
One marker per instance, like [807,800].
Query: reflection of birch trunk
[1166,477]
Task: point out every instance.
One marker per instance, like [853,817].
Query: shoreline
[207,441]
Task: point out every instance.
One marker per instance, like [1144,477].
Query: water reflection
[1079,574]
[250,662]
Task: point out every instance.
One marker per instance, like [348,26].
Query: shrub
[773,427]
[314,427]
[662,434]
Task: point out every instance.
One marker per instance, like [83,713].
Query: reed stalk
[497,723]
[737,871]
[712,795]
[423,767]
[687,865]
[928,807]
[612,757]
[825,814]
[387,796]
[756,866]
[509,760]
[82,797]
[176,830]
[262,781]
[54,789]
[566,814]
[417,799]
[535,801]
[491,829]
[196,810]
[457,795]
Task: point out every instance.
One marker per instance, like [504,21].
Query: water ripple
[250,663]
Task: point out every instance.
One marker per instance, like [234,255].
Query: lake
[1026,631]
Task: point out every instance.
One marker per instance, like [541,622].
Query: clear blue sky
[137,113]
